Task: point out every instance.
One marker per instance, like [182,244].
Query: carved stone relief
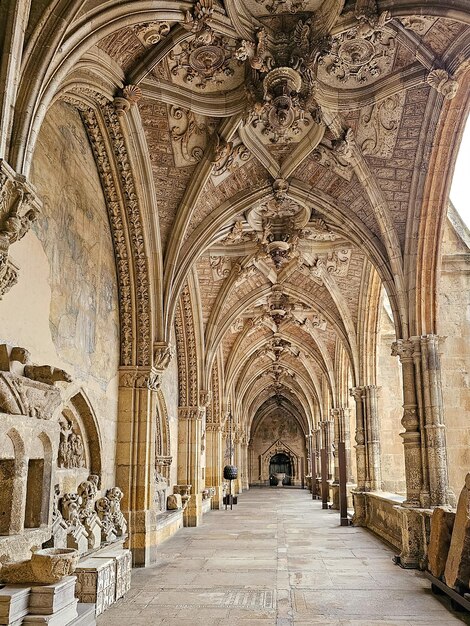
[228,157]
[204,61]
[361,54]
[19,209]
[71,449]
[378,126]
[189,135]
[27,389]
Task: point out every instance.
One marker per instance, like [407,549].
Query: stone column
[428,374]
[245,473]
[13,22]
[214,462]
[336,438]
[359,498]
[238,459]
[189,460]
[135,460]
[345,420]
[361,464]
[410,421]
[372,428]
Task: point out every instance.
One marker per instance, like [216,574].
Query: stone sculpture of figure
[87,491]
[115,495]
[70,508]
[71,450]
[103,509]
[160,491]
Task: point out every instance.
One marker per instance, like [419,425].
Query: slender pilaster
[189,460]
[135,458]
[214,462]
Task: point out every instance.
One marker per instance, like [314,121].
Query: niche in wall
[34,494]
[7,474]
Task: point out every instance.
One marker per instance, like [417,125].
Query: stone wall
[273,433]
[390,408]
[454,324]
[64,309]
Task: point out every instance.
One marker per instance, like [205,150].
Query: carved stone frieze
[186,352]
[135,229]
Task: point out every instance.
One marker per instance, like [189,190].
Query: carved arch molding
[115,171]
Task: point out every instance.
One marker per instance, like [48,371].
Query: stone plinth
[442,523]
[96,582]
[86,615]
[61,618]
[123,565]
[14,602]
[49,599]
[168,524]
[457,570]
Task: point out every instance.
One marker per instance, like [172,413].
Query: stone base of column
[413,533]
[360,508]
[334,490]
[217,498]
[142,540]
[192,515]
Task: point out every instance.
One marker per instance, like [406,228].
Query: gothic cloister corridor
[277,558]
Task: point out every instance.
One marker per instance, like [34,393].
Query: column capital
[404,349]
[356,393]
[190,413]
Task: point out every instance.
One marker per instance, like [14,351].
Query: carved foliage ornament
[189,133]
[228,157]
[361,53]
[203,60]
[284,6]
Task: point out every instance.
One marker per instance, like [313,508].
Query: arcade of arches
[225,236]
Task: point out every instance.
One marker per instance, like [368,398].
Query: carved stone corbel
[19,209]
[131,94]
[444,84]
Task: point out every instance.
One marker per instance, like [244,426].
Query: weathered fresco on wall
[75,234]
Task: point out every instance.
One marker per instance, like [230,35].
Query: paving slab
[277,559]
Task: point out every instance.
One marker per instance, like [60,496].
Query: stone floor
[277,558]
